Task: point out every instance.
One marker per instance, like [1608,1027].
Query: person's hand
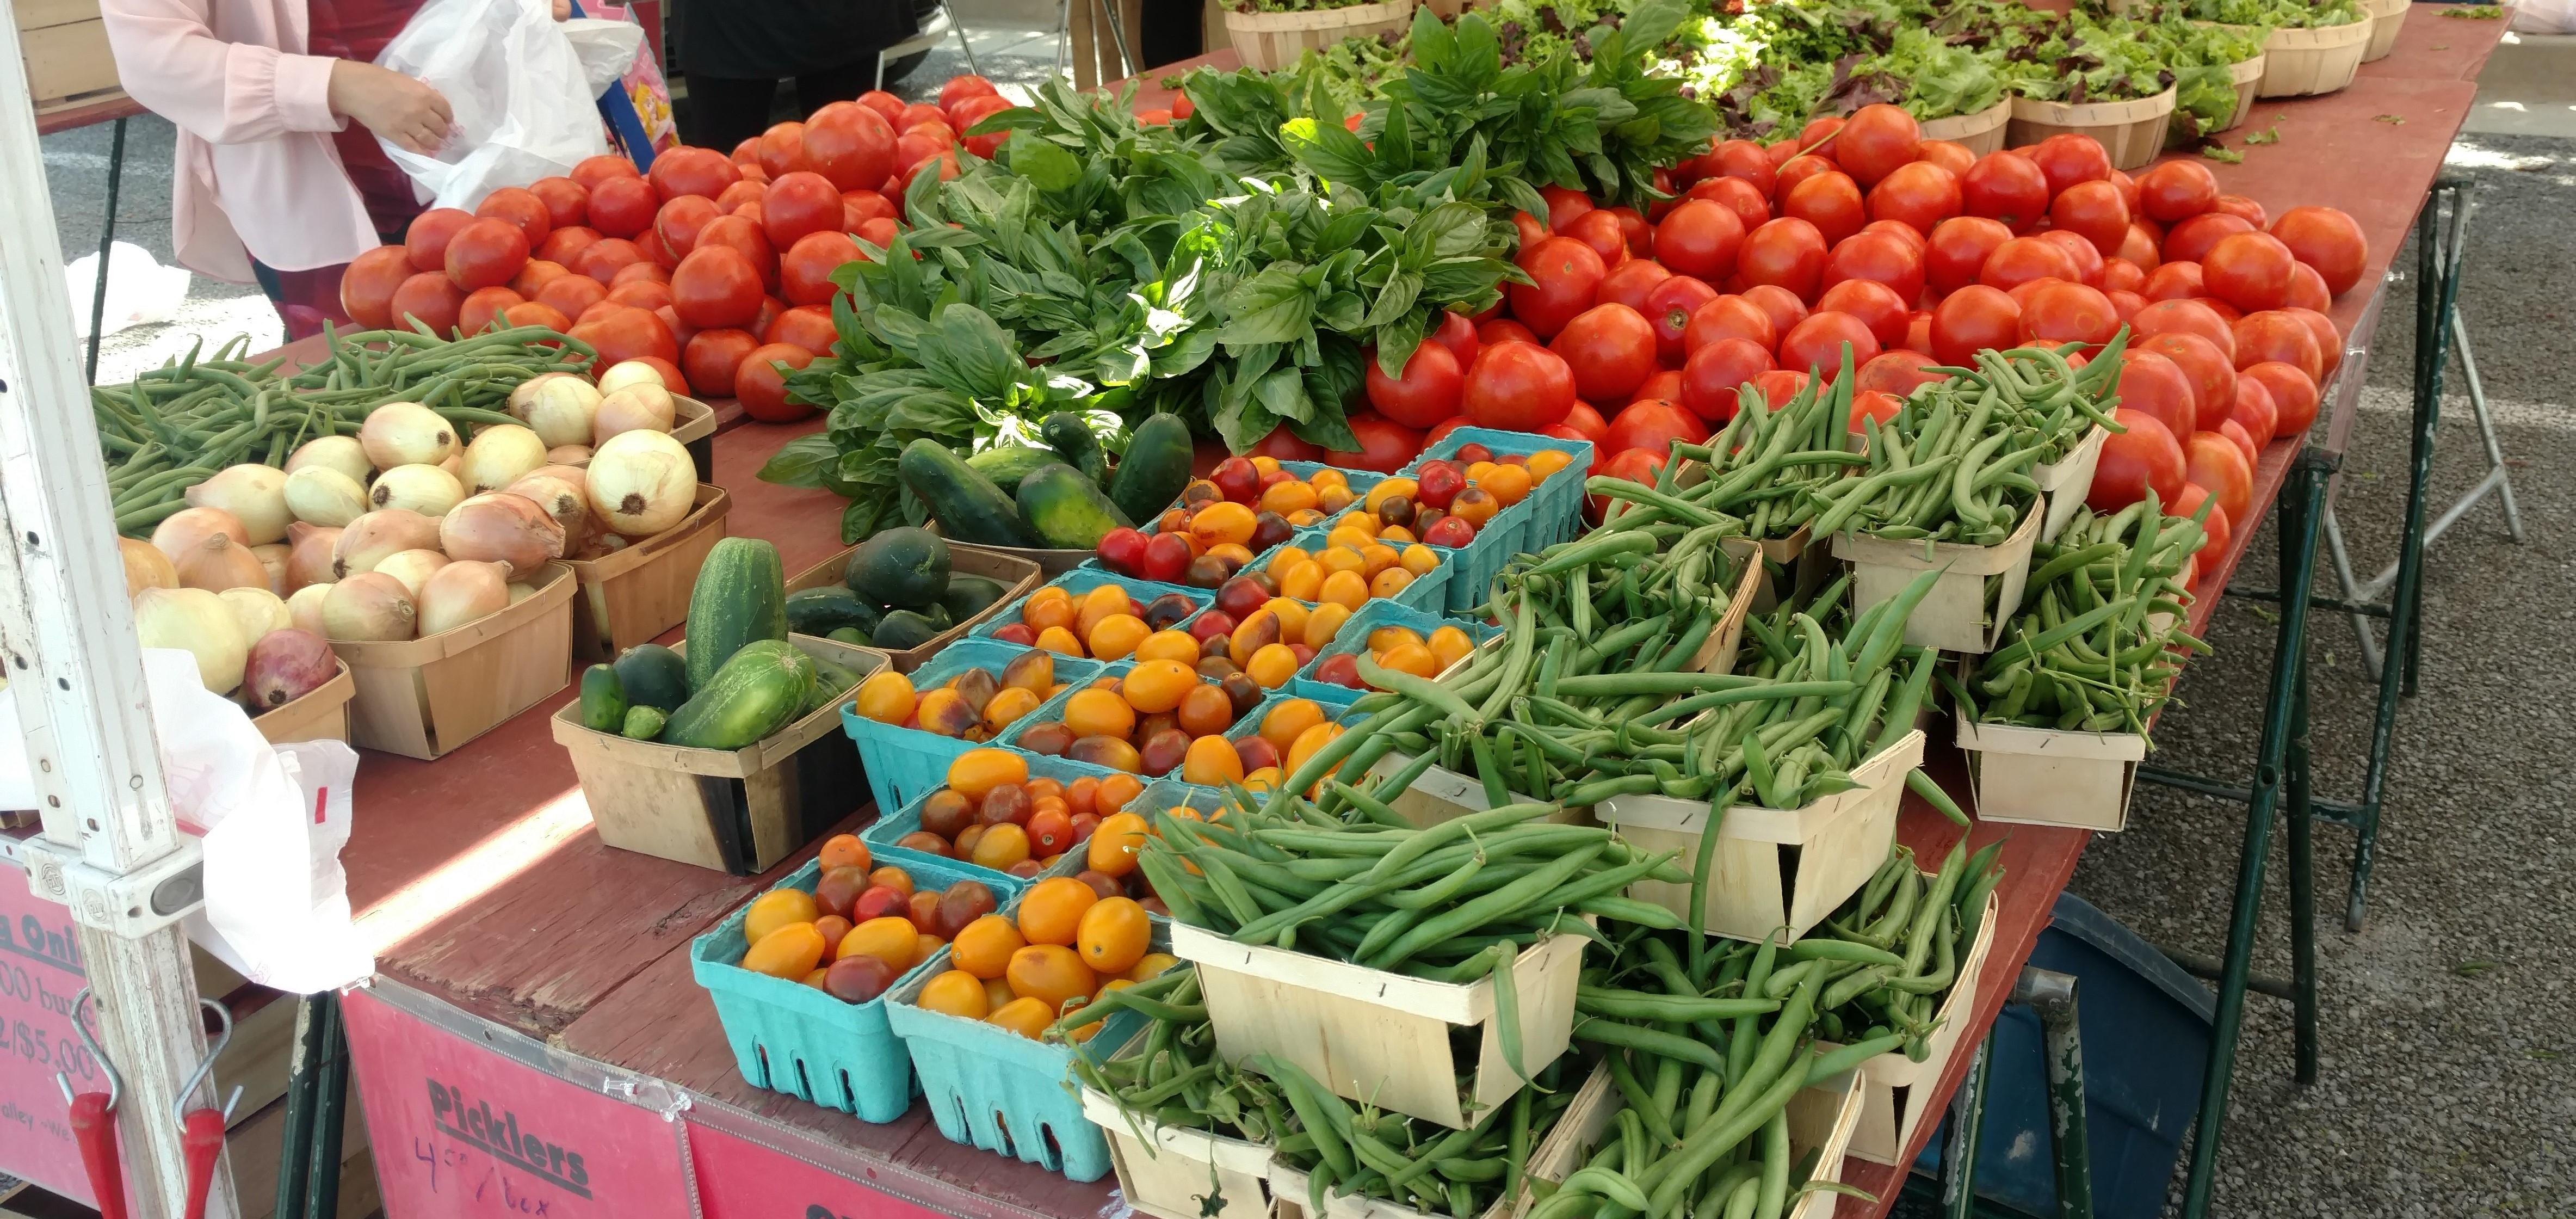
[563,10]
[392,105]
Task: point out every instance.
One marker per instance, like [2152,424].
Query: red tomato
[1787,253]
[1283,445]
[1818,344]
[1876,305]
[567,202]
[1600,230]
[680,221]
[1565,205]
[1878,140]
[879,231]
[2294,396]
[1654,427]
[483,305]
[1800,168]
[2217,464]
[770,308]
[2069,313]
[2145,456]
[1785,308]
[2155,385]
[1634,228]
[1901,231]
[1779,385]
[716,287]
[1568,275]
[2226,312]
[1497,330]
[747,153]
[2216,531]
[806,326]
[1446,426]
[2094,211]
[367,287]
[886,105]
[1919,195]
[2143,248]
[1730,317]
[2243,440]
[2068,159]
[1640,466]
[2308,289]
[1517,386]
[1879,258]
[2254,411]
[805,275]
[918,113]
[1630,281]
[2020,292]
[2023,259]
[797,204]
[2327,239]
[1818,135]
[620,334]
[641,293]
[1743,160]
[1829,201]
[623,207]
[1700,238]
[1428,391]
[746,237]
[2249,270]
[2213,379]
[692,171]
[426,240]
[1871,404]
[535,276]
[2190,240]
[1532,230]
[866,205]
[1611,349]
[520,207]
[563,245]
[1669,308]
[1752,208]
[486,254]
[713,357]
[2277,334]
[1457,334]
[1948,154]
[2174,281]
[1918,331]
[1665,384]
[1385,445]
[1958,249]
[573,294]
[762,388]
[975,110]
[2086,259]
[2329,340]
[782,149]
[851,145]
[432,298]
[537,313]
[1896,373]
[959,88]
[2122,275]
[2176,190]
[1716,370]
[594,170]
[1973,319]
[2240,207]
[2005,187]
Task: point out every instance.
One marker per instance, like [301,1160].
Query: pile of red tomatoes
[1641,329]
[718,268]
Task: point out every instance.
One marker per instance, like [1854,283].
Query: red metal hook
[93,1117]
[201,1131]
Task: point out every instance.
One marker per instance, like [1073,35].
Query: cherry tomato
[1427,393]
[1878,140]
[1700,238]
[1653,426]
[2153,384]
[2327,239]
[1896,374]
[2176,190]
[426,240]
[851,145]
[367,287]
[1880,258]
[2023,259]
[1830,201]
[1973,319]
[1716,370]
[486,253]
[1517,386]
[1385,445]
[1787,253]
[1669,308]
[712,358]
[1919,195]
[1611,349]
[762,389]
[2144,456]
[2191,240]
[1816,345]
[692,171]
[2006,187]
[1630,281]
[1568,276]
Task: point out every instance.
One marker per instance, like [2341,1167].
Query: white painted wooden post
[111,849]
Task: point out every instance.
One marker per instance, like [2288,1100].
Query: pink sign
[40,975]
[460,1130]
[739,1179]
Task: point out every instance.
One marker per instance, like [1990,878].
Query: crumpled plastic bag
[522,88]
[140,291]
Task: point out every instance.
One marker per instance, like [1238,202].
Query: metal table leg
[2051,996]
[317,1089]
[106,243]
[1967,1129]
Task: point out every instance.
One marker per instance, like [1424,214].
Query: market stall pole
[111,849]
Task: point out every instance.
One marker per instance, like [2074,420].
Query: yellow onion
[379,535]
[565,500]
[308,561]
[427,490]
[521,592]
[285,665]
[258,610]
[254,494]
[573,455]
[341,453]
[145,566]
[630,372]
[462,592]
[304,609]
[406,434]
[413,568]
[525,393]
[641,483]
[559,410]
[198,621]
[272,559]
[219,563]
[501,455]
[455,465]
[321,495]
[499,527]
[188,528]
[370,606]
[637,407]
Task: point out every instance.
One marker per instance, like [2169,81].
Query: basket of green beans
[1773,469]
[1361,1163]
[1190,1134]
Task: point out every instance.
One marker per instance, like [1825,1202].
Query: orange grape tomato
[1309,742]
[845,851]
[1169,644]
[1223,522]
[1420,559]
[1061,641]
[1030,671]
[1052,974]
[893,878]
[926,946]
[1052,909]
[1475,505]
[1049,606]
[1007,707]
[1114,844]
[1149,965]
[1388,489]
[1272,666]
[775,909]
[1302,582]
[947,713]
[815,979]
[1205,710]
[985,946]
[1097,604]
[1115,753]
[1114,935]
[891,939]
[1548,461]
[1001,846]
[1389,582]
[1094,712]
[1027,1017]
[1347,589]
[1265,464]
[790,951]
[967,838]
[1376,557]
[1386,637]
[1211,762]
[1408,657]
[1448,645]
[1290,720]
[978,771]
[1325,623]
[1157,686]
[1290,496]
[1115,637]
[955,993]
[887,697]
[1116,791]
[1509,484]
[1331,498]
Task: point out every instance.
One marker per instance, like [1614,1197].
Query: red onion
[285,665]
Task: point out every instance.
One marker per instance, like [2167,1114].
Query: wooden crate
[1021,575]
[631,595]
[1377,1036]
[1774,868]
[1558,1154]
[2040,776]
[1896,1092]
[2132,132]
[693,424]
[63,44]
[737,810]
[1953,616]
[2299,63]
[321,715]
[1171,1172]
[2065,481]
[1979,133]
[423,697]
[1270,42]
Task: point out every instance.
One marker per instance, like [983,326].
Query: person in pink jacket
[278,103]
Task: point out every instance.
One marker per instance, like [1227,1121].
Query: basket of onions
[637,519]
[243,637]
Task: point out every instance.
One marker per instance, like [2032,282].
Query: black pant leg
[724,112]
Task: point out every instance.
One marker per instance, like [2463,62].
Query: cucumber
[850,635]
[653,676]
[966,504]
[904,629]
[1154,469]
[1010,463]
[643,723]
[740,597]
[831,681]
[1071,436]
[900,568]
[759,690]
[821,611]
[1066,510]
[603,699]
[968,596]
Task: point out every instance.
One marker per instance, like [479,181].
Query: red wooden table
[497,911]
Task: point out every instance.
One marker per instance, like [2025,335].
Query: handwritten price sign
[40,975]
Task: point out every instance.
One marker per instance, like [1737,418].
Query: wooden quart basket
[2063,482]
[1980,133]
[2301,63]
[1953,617]
[631,595]
[1822,1120]
[2132,132]
[2248,79]
[2387,17]
[1577,1130]
[423,697]
[321,715]
[2040,776]
[1272,41]
[1896,1091]
[1171,1172]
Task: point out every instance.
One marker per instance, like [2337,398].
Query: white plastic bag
[2544,17]
[520,94]
[607,48]
[140,291]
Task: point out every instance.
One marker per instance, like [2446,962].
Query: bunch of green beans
[1955,463]
[183,423]
[1171,1075]
[2100,638]
[1891,954]
[1427,1166]
[1771,468]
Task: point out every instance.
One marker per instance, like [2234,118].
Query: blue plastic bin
[2145,1025]
[880,837]
[905,764]
[1353,637]
[1556,503]
[792,1038]
[1085,578]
